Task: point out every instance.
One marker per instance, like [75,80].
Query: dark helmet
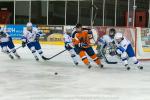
[112,32]
[78,25]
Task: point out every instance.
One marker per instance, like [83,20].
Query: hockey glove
[112,53]
[23,44]
[82,45]
[69,45]
[2,34]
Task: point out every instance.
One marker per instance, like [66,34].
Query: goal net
[142,43]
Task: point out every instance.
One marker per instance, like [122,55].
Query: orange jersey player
[83,46]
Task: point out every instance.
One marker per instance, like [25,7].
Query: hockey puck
[56,73]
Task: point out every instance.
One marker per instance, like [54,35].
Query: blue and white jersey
[4,37]
[67,38]
[106,40]
[31,36]
[68,41]
[123,45]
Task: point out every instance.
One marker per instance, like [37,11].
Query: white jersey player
[31,39]
[69,45]
[7,44]
[124,48]
[107,41]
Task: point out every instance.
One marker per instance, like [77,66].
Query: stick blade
[108,62]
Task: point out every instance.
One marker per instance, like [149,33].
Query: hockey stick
[56,54]
[106,60]
[16,48]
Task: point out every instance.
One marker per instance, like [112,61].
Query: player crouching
[69,45]
[31,39]
[83,47]
[125,49]
[107,41]
[7,45]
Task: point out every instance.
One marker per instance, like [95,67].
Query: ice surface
[27,79]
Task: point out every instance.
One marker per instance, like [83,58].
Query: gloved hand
[69,45]
[83,45]
[37,37]
[23,44]
[2,34]
[112,53]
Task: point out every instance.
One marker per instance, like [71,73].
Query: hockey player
[83,46]
[69,45]
[107,41]
[30,38]
[125,49]
[7,45]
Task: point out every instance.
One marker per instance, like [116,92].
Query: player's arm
[5,35]
[91,37]
[123,46]
[38,34]
[121,49]
[8,36]
[102,42]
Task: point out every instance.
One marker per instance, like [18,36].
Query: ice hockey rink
[27,79]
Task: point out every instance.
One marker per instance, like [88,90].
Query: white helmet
[29,24]
[69,29]
[118,36]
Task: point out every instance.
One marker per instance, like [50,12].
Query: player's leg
[92,54]
[33,50]
[131,54]
[73,56]
[136,62]
[124,58]
[39,50]
[72,53]
[84,58]
[12,48]
[5,49]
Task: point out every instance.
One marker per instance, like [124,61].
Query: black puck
[56,73]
